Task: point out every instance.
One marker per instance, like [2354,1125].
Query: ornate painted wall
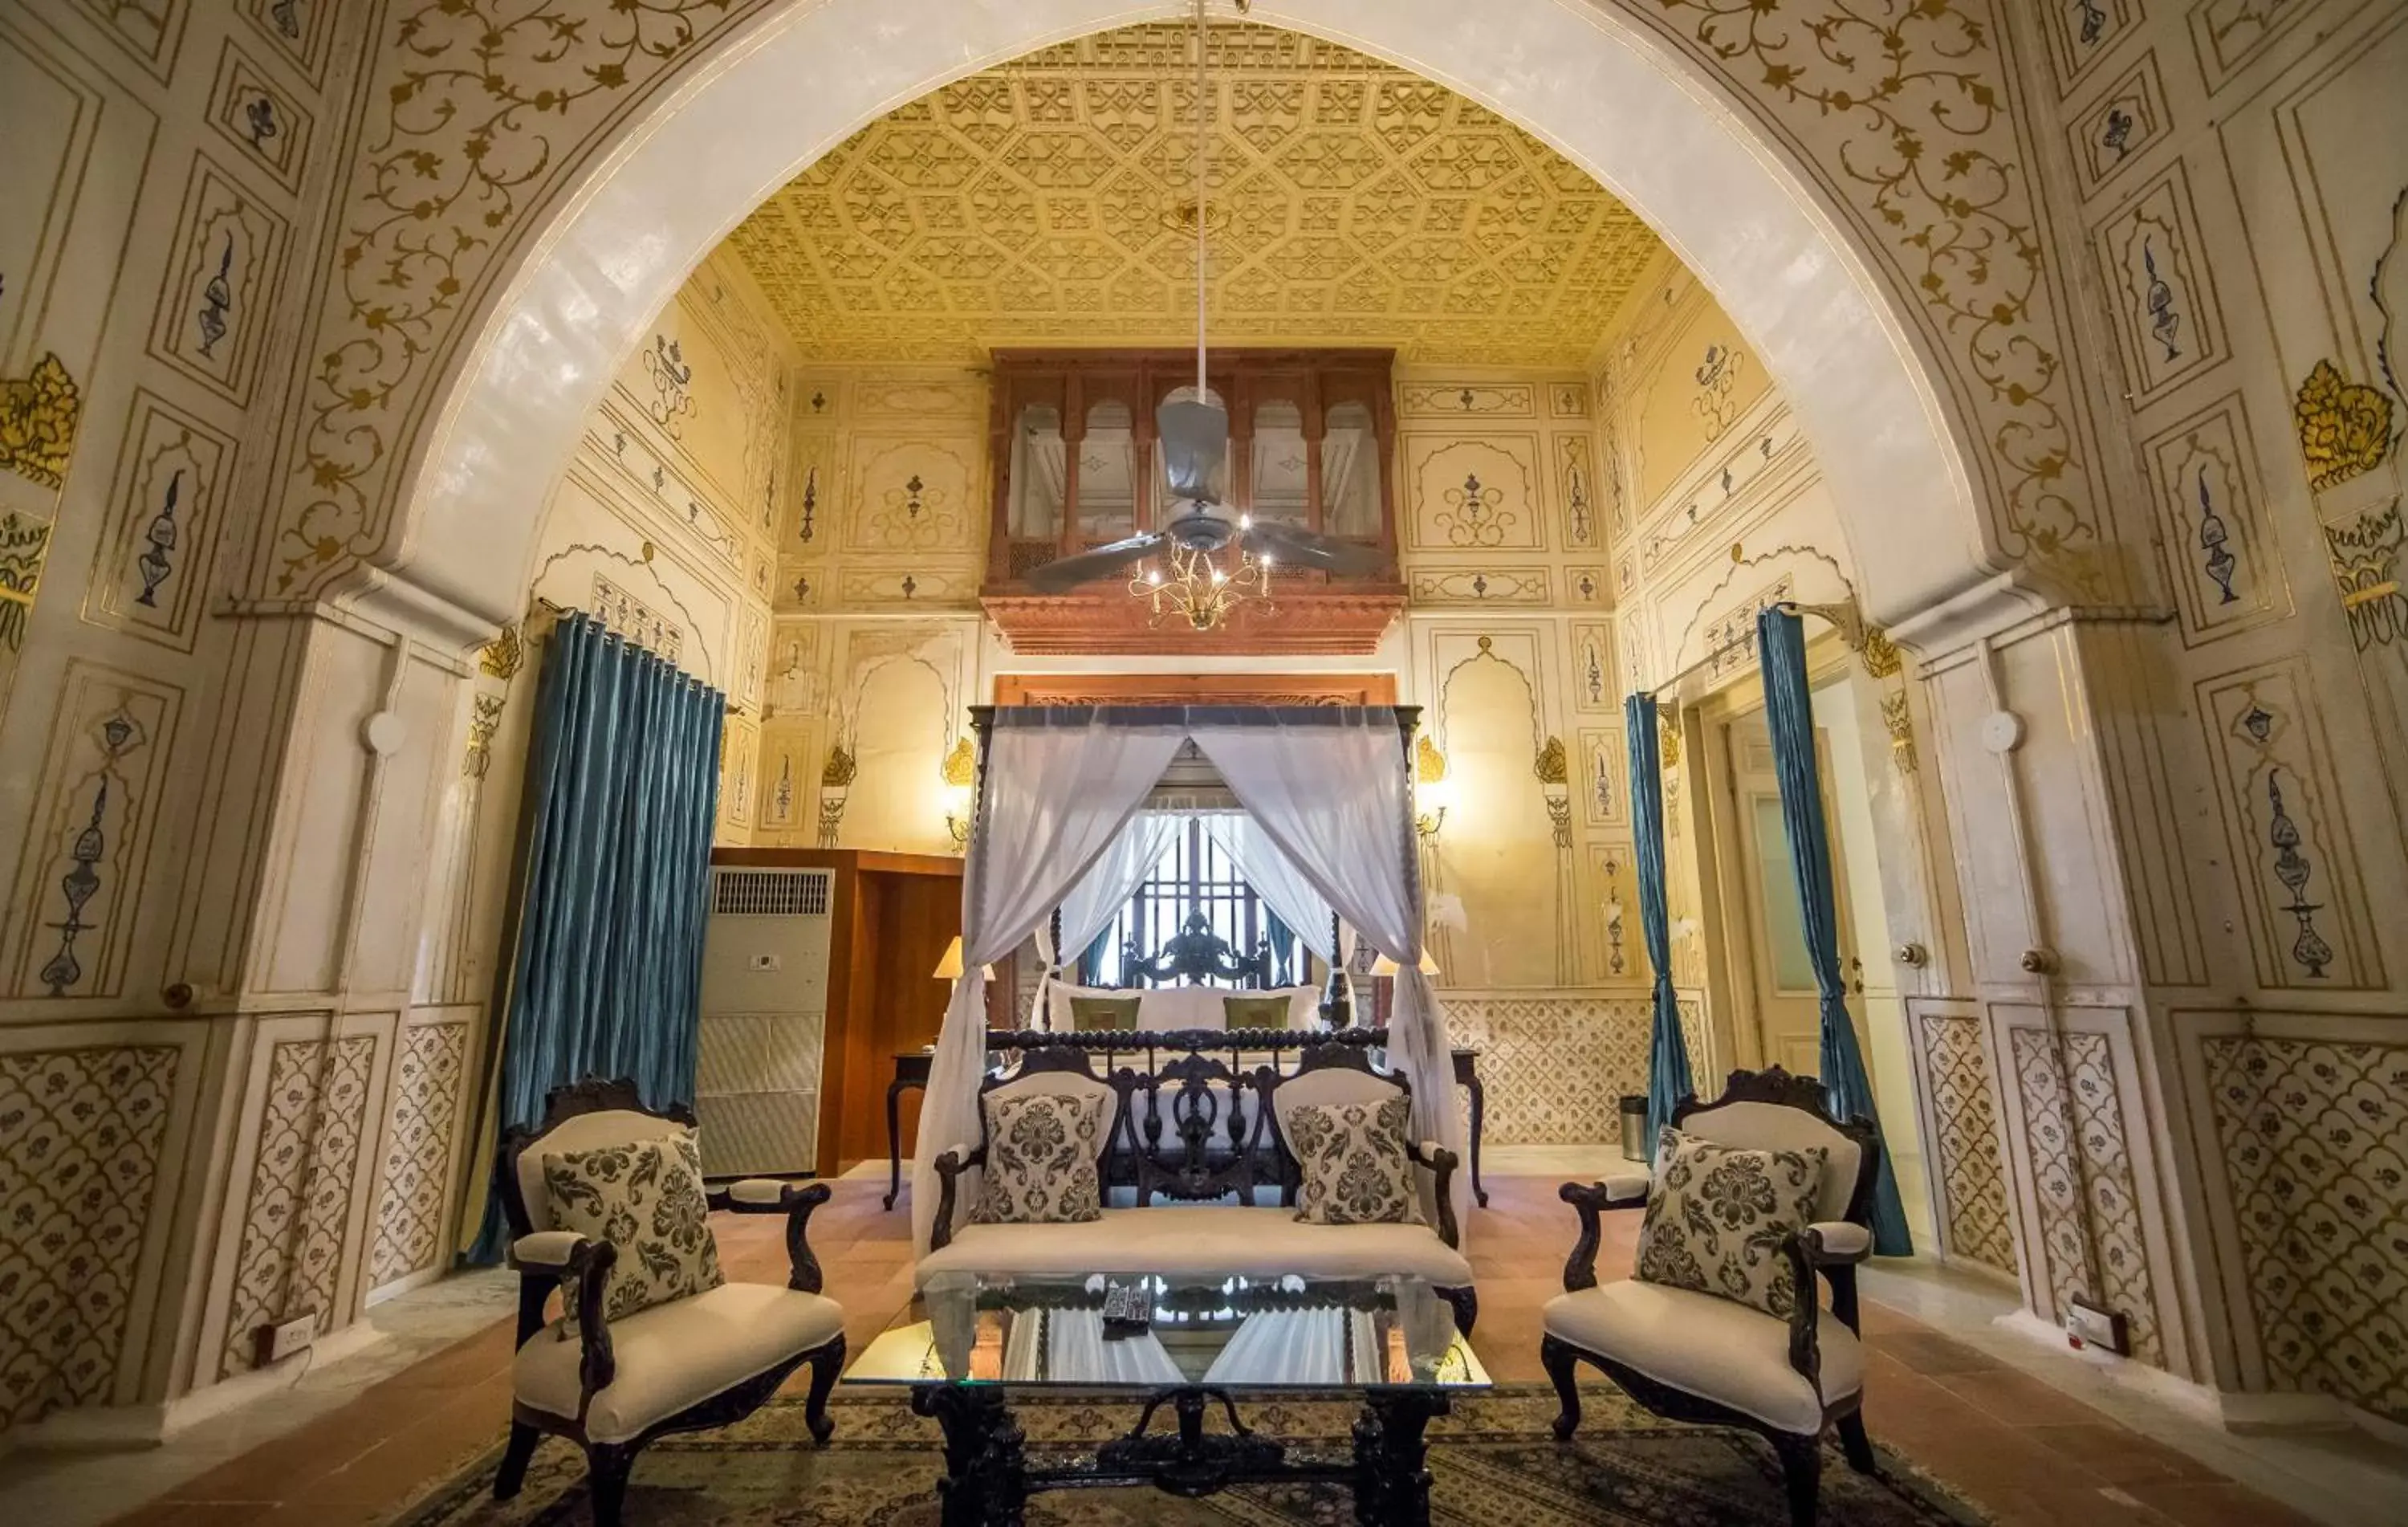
[2148,255]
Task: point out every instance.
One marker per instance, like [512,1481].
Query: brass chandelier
[1200,593]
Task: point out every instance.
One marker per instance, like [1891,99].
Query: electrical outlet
[278,1342]
[766,962]
[2090,1325]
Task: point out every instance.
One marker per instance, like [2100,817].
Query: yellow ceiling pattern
[1348,203]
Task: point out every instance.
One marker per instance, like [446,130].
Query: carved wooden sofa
[1205,1129]
[692,1363]
[1693,1357]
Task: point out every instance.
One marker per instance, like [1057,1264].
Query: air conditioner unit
[765,981]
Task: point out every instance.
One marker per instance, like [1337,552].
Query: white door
[1782,984]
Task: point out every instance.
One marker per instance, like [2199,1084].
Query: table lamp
[949,967]
[1384,966]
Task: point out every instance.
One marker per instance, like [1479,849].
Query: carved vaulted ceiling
[1350,203]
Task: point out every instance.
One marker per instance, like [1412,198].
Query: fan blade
[1065,573]
[1301,548]
[1195,446]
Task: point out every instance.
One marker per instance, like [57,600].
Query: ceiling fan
[1194,429]
[1195,435]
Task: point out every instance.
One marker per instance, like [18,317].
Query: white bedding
[1161,1008]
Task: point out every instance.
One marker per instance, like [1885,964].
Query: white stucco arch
[773,98]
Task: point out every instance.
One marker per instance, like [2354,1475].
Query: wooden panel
[1196,689]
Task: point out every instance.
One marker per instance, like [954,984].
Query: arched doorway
[765,103]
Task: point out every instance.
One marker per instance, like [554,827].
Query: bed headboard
[1195,953]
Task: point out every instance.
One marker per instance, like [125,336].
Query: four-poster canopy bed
[1329,788]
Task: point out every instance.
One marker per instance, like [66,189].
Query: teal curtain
[1668,1064]
[622,790]
[1788,709]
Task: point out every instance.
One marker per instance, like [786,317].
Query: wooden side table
[911,1071]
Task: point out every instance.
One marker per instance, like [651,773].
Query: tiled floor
[2020,1447]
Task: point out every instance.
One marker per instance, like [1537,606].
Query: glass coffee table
[1187,1344]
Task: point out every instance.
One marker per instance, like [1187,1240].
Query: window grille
[1194,874]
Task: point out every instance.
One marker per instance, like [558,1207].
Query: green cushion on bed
[1256,1012]
[1088,1013]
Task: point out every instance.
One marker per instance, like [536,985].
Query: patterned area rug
[1494,1461]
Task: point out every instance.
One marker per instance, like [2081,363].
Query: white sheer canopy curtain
[1119,871]
[1274,879]
[1329,787]
[1058,786]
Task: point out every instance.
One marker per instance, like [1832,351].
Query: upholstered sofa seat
[1715,1348]
[676,1355]
[1211,1240]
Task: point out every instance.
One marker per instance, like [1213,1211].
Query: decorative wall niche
[213,311]
[1467,400]
[261,119]
[1577,491]
[739,777]
[2308,918]
[88,840]
[160,545]
[1479,493]
[2083,31]
[2165,307]
[1597,686]
[1483,584]
[2226,570]
[2113,131]
[912,495]
[302,30]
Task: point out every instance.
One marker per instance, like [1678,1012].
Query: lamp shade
[949,968]
[1384,966]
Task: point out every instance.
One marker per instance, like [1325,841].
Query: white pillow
[1162,1008]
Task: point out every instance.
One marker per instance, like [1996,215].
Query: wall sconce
[1432,792]
[960,773]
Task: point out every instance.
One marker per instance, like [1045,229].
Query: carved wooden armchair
[695,1362]
[1696,1357]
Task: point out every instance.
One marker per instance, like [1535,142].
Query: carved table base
[988,1482]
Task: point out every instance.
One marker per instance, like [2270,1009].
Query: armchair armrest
[1835,1247]
[1806,1309]
[1622,1190]
[1441,1163]
[547,1251]
[949,1166]
[766,1195]
[582,1267]
[1836,1242]
[1627,1189]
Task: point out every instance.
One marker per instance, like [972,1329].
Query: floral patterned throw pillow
[1718,1216]
[1352,1157]
[1041,1160]
[645,1198]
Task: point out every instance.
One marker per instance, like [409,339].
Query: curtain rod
[1842,618]
[558,611]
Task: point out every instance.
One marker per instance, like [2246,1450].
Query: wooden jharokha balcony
[1311,434]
